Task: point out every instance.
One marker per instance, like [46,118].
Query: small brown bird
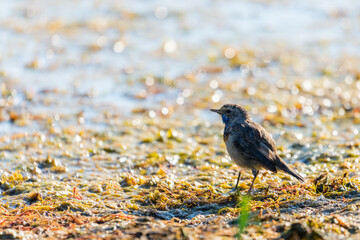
[249,145]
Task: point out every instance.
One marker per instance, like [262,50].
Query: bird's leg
[237,183]
[255,173]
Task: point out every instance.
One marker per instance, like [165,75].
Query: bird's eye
[228,111]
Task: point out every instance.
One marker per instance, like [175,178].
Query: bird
[249,145]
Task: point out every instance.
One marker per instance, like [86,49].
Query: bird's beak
[216,110]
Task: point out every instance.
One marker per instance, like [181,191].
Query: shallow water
[56,37]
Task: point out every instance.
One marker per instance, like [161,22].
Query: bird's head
[231,112]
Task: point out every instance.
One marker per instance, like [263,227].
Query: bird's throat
[225,119]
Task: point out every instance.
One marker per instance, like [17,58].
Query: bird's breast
[235,153]
[226,137]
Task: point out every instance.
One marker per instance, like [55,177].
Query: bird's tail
[283,166]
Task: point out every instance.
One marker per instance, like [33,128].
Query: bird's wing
[259,144]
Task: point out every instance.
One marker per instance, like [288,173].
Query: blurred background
[288,58]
